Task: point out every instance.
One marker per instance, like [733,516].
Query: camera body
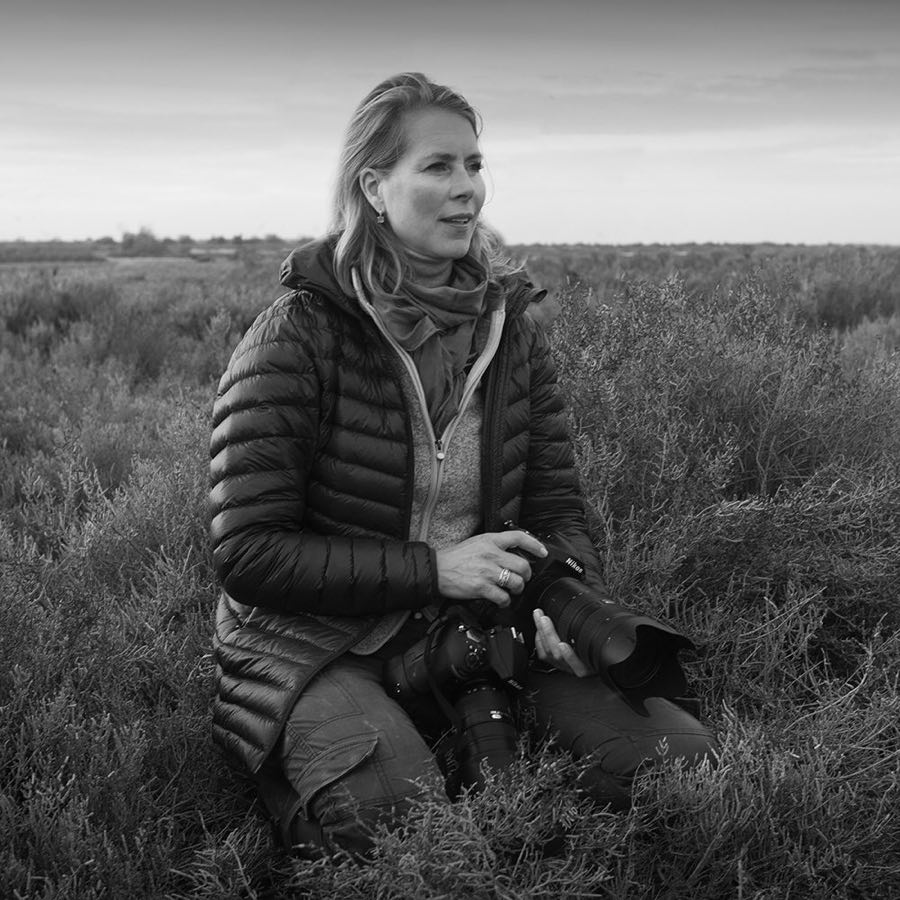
[473,655]
[455,654]
[468,669]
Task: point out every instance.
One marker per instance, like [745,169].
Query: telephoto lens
[635,654]
[486,733]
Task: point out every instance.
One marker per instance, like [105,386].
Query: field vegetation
[736,413]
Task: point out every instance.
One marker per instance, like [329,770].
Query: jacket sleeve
[266,429]
[552,498]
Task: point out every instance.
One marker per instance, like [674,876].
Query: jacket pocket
[329,766]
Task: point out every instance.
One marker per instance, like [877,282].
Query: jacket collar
[310,267]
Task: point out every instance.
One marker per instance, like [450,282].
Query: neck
[430,272]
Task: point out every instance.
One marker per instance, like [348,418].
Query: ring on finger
[503,579]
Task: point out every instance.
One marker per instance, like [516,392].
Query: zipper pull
[439,450]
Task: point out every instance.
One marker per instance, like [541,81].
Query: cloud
[650,112]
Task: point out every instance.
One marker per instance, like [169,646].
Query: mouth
[462,219]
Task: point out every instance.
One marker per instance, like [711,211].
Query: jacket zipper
[442,443]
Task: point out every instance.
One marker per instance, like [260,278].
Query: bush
[741,470]
[687,398]
[830,286]
[142,243]
[871,343]
[741,481]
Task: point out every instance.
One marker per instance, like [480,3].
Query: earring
[380,217]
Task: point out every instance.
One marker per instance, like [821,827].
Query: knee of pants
[344,817]
[609,780]
[677,735]
[340,823]
[347,804]
[690,743]
[351,754]
[353,828]
[693,747]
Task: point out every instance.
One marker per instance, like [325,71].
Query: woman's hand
[483,568]
[551,649]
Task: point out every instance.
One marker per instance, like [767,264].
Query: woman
[375,428]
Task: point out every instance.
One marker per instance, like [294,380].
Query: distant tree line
[142,242]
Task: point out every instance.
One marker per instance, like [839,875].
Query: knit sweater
[446,507]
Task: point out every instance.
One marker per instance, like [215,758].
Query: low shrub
[742,479]
[871,343]
[680,398]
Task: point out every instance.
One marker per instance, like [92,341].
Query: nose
[463,184]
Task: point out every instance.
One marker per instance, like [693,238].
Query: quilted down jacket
[312,482]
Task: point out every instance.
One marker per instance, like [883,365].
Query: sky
[634,121]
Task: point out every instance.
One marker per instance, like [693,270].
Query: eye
[476,165]
[439,166]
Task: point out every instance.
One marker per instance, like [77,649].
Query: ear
[370,183]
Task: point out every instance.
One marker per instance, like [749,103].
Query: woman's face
[434,193]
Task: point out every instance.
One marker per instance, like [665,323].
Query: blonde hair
[375,139]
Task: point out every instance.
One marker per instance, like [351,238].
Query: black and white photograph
[450,450]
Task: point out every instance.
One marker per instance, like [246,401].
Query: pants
[350,757]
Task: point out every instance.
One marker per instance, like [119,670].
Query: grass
[742,472]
